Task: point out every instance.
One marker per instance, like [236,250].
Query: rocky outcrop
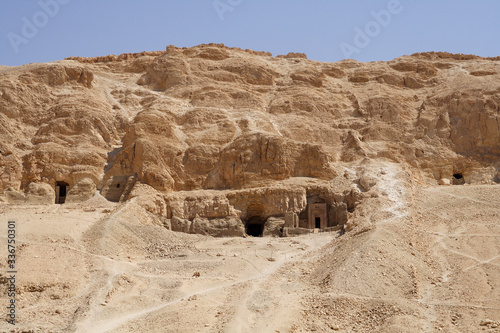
[218,227]
[36,194]
[82,191]
[256,157]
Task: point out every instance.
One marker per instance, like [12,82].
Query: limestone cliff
[221,121]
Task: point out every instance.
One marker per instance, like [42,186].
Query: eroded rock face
[36,194]
[246,131]
[218,227]
[82,191]
[256,157]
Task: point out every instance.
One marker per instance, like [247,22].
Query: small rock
[444,181]
[486,322]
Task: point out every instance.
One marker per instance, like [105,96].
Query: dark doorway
[61,191]
[458,179]
[317,222]
[255,226]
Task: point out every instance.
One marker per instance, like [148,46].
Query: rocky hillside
[228,125]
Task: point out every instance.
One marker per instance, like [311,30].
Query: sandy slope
[94,272]
[429,262]
[433,269]
[462,225]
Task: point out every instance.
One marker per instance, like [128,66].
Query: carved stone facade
[317,216]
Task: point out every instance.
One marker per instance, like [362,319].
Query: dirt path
[256,292]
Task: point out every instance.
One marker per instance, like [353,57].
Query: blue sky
[326,30]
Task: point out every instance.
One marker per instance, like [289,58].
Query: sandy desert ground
[429,263]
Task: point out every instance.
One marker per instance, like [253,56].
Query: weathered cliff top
[214,117]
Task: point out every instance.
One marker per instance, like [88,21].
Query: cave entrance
[61,191]
[458,179]
[255,226]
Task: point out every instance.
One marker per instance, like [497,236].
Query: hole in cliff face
[458,179]
[61,191]
[255,226]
